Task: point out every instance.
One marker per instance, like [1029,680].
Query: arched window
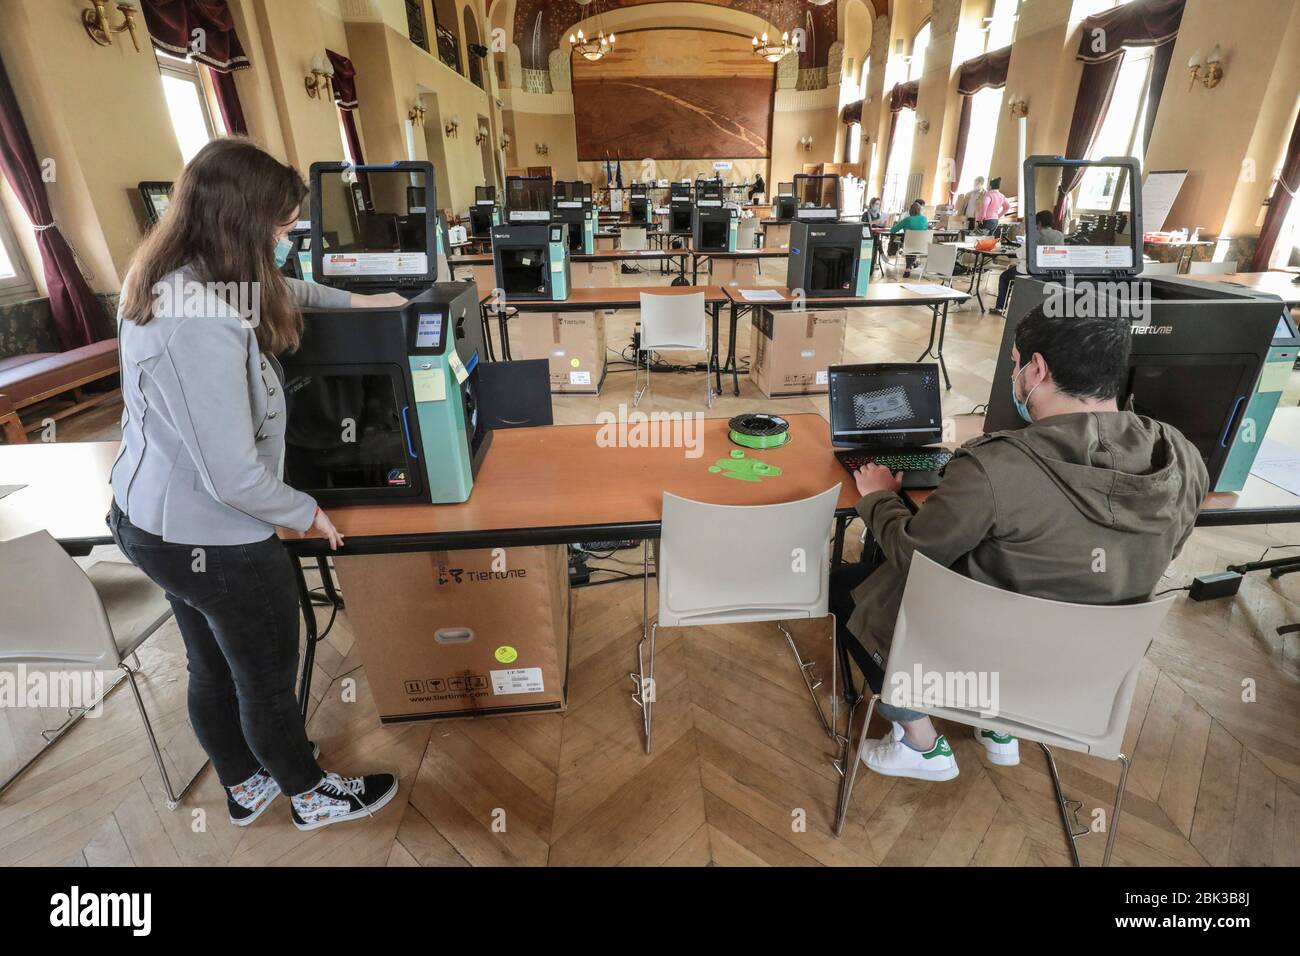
[447,26]
[472,40]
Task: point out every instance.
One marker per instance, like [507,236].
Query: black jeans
[237,609]
[844,579]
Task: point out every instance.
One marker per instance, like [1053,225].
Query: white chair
[1065,673]
[56,614]
[747,234]
[940,262]
[1160,268]
[632,239]
[733,564]
[916,242]
[673,323]
[1210,268]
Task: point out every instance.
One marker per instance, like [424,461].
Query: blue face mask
[1022,408]
[282,249]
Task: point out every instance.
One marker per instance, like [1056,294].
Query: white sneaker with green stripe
[1002,749]
[893,758]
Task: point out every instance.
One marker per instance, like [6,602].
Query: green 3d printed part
[759,431]
[742,468]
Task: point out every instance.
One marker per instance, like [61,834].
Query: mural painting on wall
[540,25]
[674,94]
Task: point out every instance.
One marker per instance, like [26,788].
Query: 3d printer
[785,205]
[681,209]
[1208,358]
[829,259]
[640,208]
[573,206]
[817,197]
[485,213]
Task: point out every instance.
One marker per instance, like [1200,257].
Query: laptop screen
[885,404]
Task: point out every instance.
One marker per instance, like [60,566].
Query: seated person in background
[1026,511]
[1046,235]
[993,206]
[758,188]
[874,215]
[913,220]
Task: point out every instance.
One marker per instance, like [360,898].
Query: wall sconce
[506,145]
[318,80]
[923,126]
[807,143]
[416,115]
[452,128]
[481,136]
[542,149]
[1209,70]
[96,21]
[1018,108]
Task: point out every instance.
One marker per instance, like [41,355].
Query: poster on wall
[674,94]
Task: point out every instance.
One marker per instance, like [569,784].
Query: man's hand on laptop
[873,478]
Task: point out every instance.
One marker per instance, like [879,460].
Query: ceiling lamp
[593,48]
[771,50]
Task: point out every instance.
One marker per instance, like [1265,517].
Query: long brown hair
[221,223]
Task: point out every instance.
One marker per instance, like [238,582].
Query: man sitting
[1027,510]
[1046,235]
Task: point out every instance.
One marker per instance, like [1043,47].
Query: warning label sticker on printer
[375,264]
[520,680]
[579,378]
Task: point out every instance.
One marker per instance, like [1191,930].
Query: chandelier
[771,50]
[767,47]
[593,48]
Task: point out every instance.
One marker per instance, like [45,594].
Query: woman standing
[197,489]
[993,206]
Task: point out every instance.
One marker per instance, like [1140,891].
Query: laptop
[889,413]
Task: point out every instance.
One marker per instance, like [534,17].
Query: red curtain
[903,96]
[232,112]
[963,132]
[78,317]
[1280,203]
[1096,86]
[852,113]
[203,30]
[344,80]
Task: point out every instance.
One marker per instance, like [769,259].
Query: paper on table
[761,295]
[1279,465]
[927,288]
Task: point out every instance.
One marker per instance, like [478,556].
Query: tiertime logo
[1138,328]
[75,909]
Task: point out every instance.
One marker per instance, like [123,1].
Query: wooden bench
[28,380]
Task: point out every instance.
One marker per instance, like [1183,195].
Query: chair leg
[1113,829]
[1067,807]
[642,389]
[644,679]
[810,681]
[852,757]
[173,800]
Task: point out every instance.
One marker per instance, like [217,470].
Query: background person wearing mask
[1025,511]
[875,215]
[1046,235]
[199,473]
[992,206]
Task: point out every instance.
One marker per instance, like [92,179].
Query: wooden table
[1280,284]
[598,299]
[982,260]
[878,294]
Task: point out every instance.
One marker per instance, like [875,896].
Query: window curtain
[852,113]
[79,319]
[902,96]
[1280,203]
[345,97]
[1140,23]
[203,31]
[981,72]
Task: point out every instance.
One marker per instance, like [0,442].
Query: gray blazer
[203,425]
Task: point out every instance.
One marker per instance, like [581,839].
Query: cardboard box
[790,352]
[573,341]
[591,275]
[776,236]
[733,272]
[461,633]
